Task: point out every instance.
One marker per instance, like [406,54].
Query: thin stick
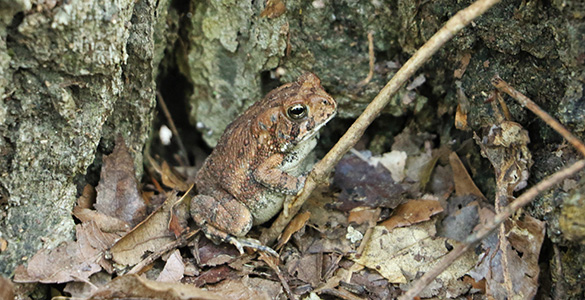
[484,231]
[173,128]
[272,262]
[503,86]
[372,60]
[325,166]
[180,242]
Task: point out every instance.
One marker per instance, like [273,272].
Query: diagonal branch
[503,86]
[484,231]
[324,167]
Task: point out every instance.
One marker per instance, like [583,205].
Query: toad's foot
[240,243]
[217,236]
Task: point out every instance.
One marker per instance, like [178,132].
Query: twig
[503,86]
[343,294]
[181,241]
[372,60]
[484,231]
[325,166]
[272,262]
[173,128]
[521,201]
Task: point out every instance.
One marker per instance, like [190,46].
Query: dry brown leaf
[179,218]
[306,268]
[135,287]
[295,225]
[117,191]
[99,240]
[394,161]
[461,217]
[170,179]
[70,261]
[364,185]
[3,244]
[6,289]
[214,275]
[87,198]
[211,254]
[82,290]
[364,216]
[520,271]
[412,212]
[461,119]
[465,58]
[464,184]
[506,147]
[247,288]
[104,222]
[274,9]
[150,235]
[174,268]
[403,253]
[322,216]
[479,286]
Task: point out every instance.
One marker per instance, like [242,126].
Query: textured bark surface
[74,75]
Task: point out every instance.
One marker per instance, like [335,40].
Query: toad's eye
[297,111]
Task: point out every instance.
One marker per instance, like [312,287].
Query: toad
[260,162]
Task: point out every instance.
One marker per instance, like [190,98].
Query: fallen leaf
[82,290]
[394,161]
[364,216]
[374,284]
[104,222]
[464,184]
[212,255]
[247,288]
[461,119]
[136,287]
[179,217]
[170,179]
[412,212]
[213,275]
[174,268]
[87,198]
[6,289]
[362,184]
[148,236]
[403,253]
[322,216]
[296,224]
[100,241]
[465,58]
[274,9]
[69,261]
[3,244]
[117,191]
[517,278]
[506,147]
[416,82]
[462,216]
[306,268]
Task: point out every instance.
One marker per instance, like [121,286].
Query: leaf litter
[383,222]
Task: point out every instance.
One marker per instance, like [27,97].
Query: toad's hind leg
[225,219]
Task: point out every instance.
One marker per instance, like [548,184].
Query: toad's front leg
[271,176]
[225,220]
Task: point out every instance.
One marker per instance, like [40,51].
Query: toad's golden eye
[297,111]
